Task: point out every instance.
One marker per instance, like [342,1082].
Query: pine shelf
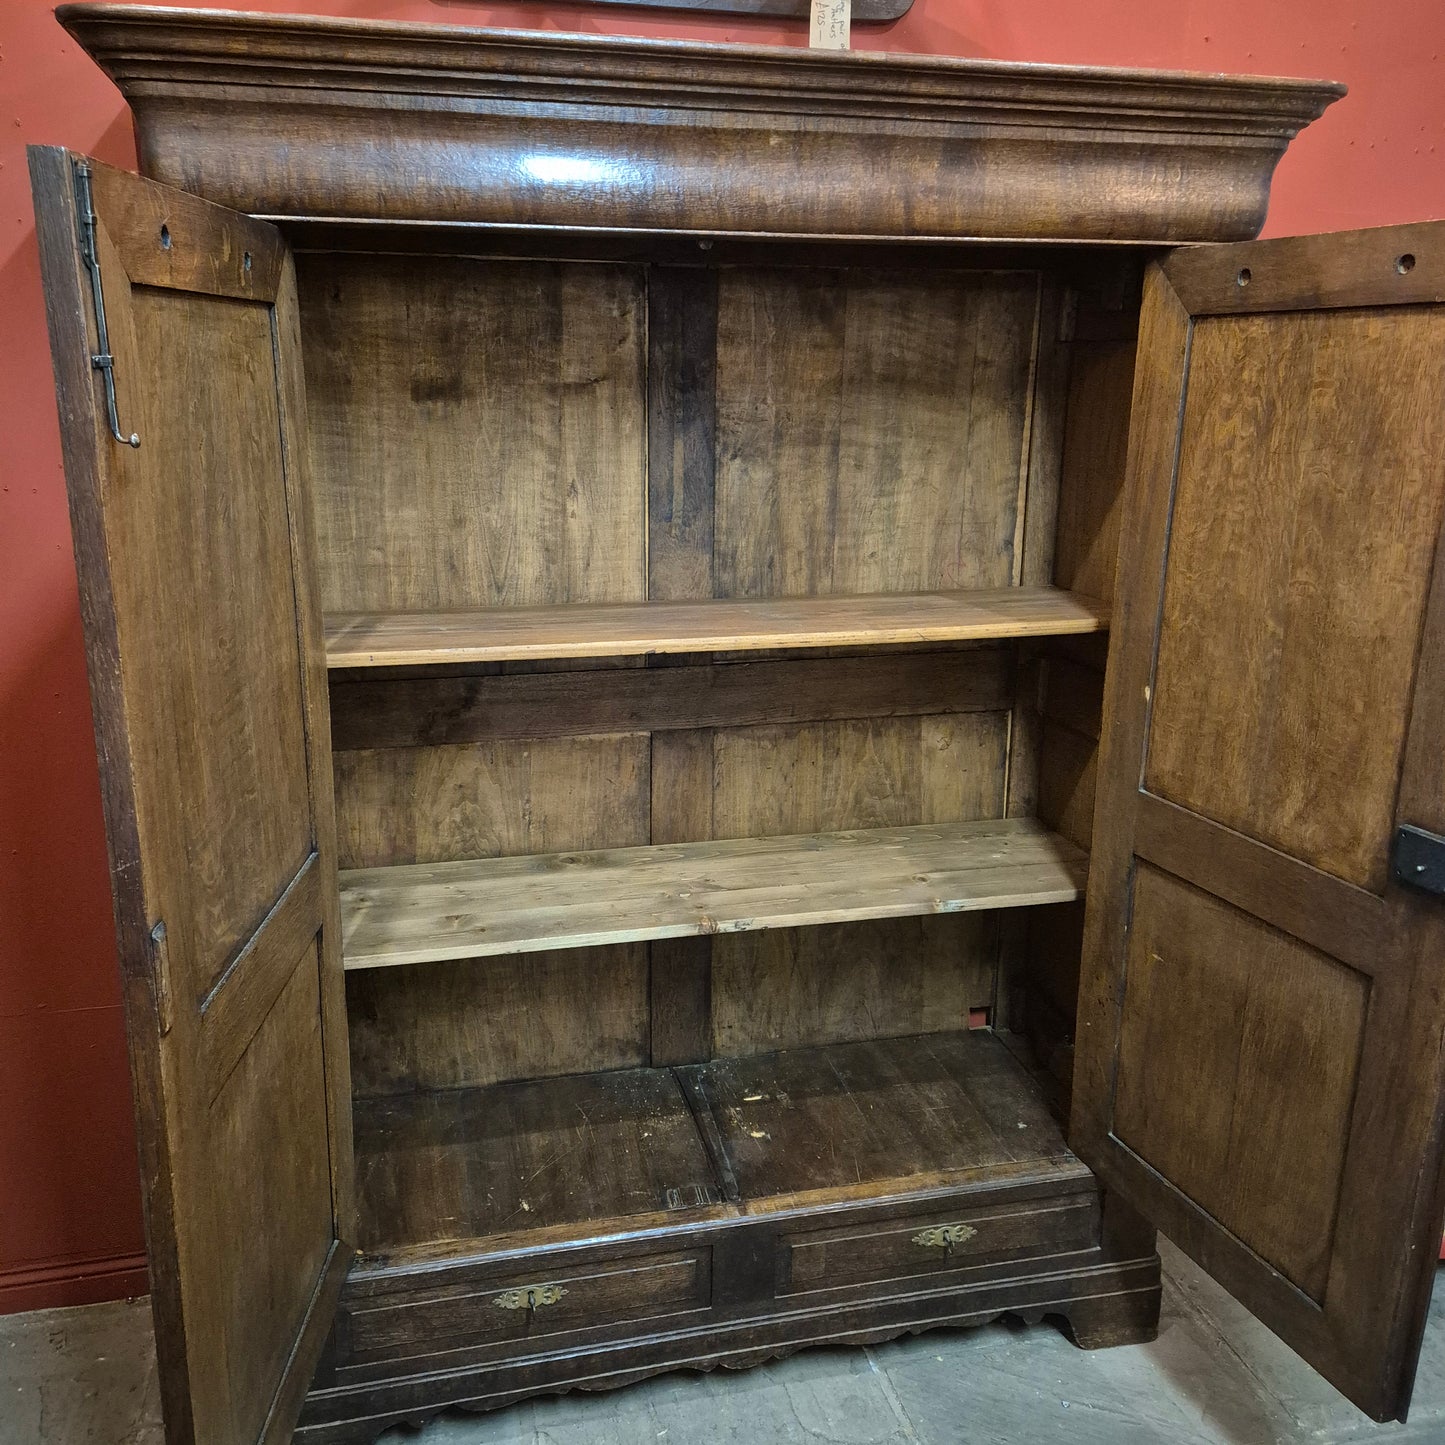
[421,913]
[632,629]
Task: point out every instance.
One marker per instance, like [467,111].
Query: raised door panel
[208,682]
[1261,1012]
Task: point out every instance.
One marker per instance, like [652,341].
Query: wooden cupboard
[637,800]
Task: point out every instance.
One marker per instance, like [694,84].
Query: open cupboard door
[208,685]
[1263,1000]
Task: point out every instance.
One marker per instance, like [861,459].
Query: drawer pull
[944,1236]
[530,1299]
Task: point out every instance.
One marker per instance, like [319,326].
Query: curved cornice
[302,117]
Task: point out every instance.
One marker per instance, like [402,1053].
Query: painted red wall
[70,1227]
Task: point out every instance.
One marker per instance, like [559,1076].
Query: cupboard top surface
[302,117]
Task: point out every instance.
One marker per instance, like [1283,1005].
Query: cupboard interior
[716,666]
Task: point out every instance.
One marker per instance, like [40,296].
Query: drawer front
[534,1304]
[935,1243]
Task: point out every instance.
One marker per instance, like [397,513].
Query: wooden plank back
[1261,1025]
[209,687]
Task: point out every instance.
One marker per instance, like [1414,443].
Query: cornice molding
[300,117]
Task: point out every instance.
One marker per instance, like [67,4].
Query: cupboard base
[1096,1301]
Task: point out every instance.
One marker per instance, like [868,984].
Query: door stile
[1160,378]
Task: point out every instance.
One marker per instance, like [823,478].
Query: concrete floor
[87,1377]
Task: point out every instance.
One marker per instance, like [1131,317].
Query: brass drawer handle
[944,1236]
[533,1297]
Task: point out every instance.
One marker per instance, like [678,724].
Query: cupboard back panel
[779,989]
[484,1021]
[491,799]
[1274,525]
[796,987]
[871,430]
[478,431]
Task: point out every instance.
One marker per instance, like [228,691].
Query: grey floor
[87,1377]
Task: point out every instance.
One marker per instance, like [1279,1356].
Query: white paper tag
[830,24]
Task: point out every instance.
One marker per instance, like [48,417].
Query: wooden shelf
[405,639]
[424,912]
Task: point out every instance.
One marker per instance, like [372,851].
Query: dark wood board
[877,1117]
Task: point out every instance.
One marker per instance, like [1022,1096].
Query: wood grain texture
[203,656]
[871,430]
[382,639]
[1095,449]
[379,711]
[473,1022]
[680,978]
[1159,386]
[1381,266]
[794,987]
[465,1314]
[294,435]
[681,431]
[487,800]
[483,128]
[864,773]
[478,430]
[1305,516]
[1322,563]
[878,1115]
[577,1151]
[404,915]
[1214,1045]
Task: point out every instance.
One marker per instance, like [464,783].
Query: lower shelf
[572,1157]
[426,912]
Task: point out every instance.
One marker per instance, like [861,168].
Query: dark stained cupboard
[736,712]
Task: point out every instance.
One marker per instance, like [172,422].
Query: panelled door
[174,333]
[1259,1064]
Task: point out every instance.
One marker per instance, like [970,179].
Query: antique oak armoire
[619,721]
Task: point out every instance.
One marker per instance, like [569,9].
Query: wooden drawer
[935,1243]
[537,1303]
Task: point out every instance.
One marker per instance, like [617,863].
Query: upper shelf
[365,121]
[635,629]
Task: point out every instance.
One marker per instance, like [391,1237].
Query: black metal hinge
[1418,859]
[101,359]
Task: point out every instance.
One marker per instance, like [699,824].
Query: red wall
[70,1227]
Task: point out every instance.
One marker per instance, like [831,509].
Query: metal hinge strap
[101,359]
[1419,858]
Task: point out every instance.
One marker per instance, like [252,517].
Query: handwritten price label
[830,22]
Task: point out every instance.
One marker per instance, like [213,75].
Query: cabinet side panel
[478,430]
[1070,679]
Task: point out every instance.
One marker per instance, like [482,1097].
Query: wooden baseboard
[72,1282]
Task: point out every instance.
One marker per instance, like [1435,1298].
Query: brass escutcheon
[944,1236]
[534,1296]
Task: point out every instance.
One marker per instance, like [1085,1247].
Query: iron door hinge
[161,972]
[1418,858]
[101,359]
